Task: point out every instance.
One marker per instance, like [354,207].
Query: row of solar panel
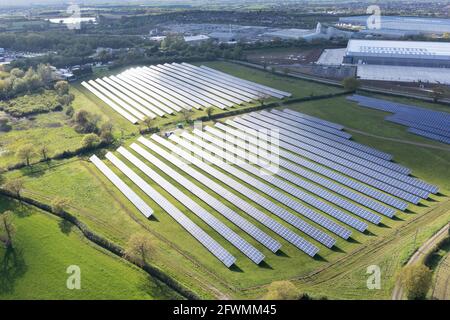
[394,187]
[375,170]
[164,89]
[344,152]
[248,142]
[340,145]
[431,124]
[267,163]
[310,214]
[333,175]
[213,246]
[288,235]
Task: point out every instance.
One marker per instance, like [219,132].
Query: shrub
[416,280]
[90,141]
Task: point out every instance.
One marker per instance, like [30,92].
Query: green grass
[43,102]
[299,88]
[45,246]
[97,203]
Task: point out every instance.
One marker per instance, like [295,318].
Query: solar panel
[282,231]
[157,89]
[403,194]
[114,106]
[221,92]
[238,93]
[383,197]
[148,74]
[126,191]
[342,203]
[169,89]
[137,84]
[242,223]
[116,100]
[246,82]
[135,97]
[223,81]
[195,91]
[214,247]
[267,204]
[143,95]
[250,251]
[214,94]
[296,114]
[125,98]
[270,178]
[333,147]
[248,142]
[396,179]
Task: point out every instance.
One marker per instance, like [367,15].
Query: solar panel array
[164,89]
[427,123]
[275,168]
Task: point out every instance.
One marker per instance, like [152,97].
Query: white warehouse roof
[398,48]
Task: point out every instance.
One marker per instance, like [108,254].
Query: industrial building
[398,53]
[422,25]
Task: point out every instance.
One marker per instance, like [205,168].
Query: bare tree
[139,248]
[7,228]
[148,122]
[44,152]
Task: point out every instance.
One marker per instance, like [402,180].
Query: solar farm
[167,89]
[296,180]
[430,124]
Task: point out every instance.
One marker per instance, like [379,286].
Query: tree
[43,149]
[106,132]
[5,126]
[416,280]
[62,88]
[139,248]
[351,83]
[282,290]
[187,115]
[15,186]
[90,141]
[45,73]
[7,228]
[148,122]
[59,204]
[438,92]
[86,122]
[209,112]
[25,152]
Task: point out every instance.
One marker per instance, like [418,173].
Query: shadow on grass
[420,204]
[337,249]
[153,218]
[12,267]
[235,268]
[281,253]
[409,211]
[65,226]
[382,225]
[265,265]
[395,218]
[352,240]
[318,257]
[367,232]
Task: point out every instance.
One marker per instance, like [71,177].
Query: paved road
[397,294]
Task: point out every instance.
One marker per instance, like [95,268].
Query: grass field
[337,273]
[46,246]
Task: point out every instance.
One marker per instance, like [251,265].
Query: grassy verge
[46,246]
